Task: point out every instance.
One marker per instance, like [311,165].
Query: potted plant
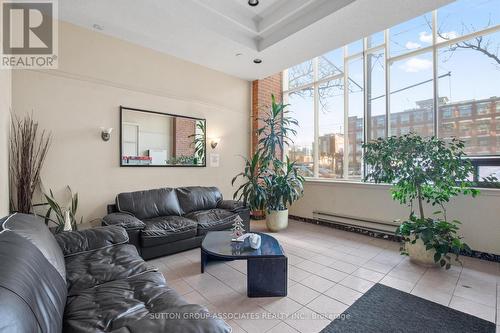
[252,191]
[29,146]
[199,142]
[63,216]
[269,183]
[423,170]
[284,185]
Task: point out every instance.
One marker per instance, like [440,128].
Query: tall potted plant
[269,182]
[423,170]
[28,149]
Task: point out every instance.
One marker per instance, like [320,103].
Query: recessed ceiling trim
[211,37]
[315,11]
[230,11]
[281,10]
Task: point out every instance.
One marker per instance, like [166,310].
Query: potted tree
[423,170]
[283,186]
[269,182]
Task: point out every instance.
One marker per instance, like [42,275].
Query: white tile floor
[329,270]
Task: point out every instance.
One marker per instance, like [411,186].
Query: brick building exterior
[183,143]
[477,122]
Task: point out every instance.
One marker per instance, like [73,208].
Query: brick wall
[261,100]
[183,144]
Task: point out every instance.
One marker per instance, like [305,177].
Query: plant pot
[258,214]
[419,255]
[277,220]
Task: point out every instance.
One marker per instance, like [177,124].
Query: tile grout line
[456,284]
[497,307]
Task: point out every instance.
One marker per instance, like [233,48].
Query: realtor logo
[29,34]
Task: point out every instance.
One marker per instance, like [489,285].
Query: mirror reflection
[158,139]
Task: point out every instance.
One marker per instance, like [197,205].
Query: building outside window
[483,108]
[483,127]
[441,70]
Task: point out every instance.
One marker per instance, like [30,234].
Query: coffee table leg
[204,259]
[267,277]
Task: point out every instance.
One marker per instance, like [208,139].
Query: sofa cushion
[195,198]
[149,204]
[143,303]
[34,229]
[77,242]
[32,291]
[123,220]
[167,229]
[90,269]
[212,220]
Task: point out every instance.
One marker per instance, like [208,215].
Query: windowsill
[346,182]
[373,186]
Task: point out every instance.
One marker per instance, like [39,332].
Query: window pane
[466,16]
[376,93]
[411,35]
[331,63]
[331,129]
[301,104]
[469,94]
[355,127]
[488,171]
[355,47]
[375,39]
[411,96]
[300,75]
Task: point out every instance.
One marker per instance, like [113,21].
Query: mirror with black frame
[150,138]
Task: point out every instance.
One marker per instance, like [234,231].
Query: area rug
[385,309]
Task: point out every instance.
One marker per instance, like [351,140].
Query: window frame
[388,61]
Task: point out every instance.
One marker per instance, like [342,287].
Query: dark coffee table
[267,267]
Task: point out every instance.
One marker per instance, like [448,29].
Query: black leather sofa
[86,281]
[168,220]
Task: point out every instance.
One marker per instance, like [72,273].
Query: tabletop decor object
[237,230]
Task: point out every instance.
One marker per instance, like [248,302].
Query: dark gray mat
[385,309]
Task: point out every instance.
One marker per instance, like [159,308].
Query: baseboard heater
[357,222]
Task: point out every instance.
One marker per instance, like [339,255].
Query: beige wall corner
[96,75]
[5,104]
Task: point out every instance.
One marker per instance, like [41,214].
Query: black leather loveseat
[168,220]
[86,281]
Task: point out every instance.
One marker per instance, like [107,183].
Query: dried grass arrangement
[28,149]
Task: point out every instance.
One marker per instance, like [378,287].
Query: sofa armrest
[124,220]
[75,242]
[232,205]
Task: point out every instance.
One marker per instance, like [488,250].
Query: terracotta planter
[277,220]
[419,255]
[258,214]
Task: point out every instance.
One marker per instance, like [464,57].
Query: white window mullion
[387,86]
[316,120]
[435,72]
[346,116]
[366,115]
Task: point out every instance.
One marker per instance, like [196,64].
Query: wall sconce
[214,142]
[106,133]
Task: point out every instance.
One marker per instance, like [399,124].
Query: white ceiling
[212,32]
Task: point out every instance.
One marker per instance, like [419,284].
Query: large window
[436,74]
[469,94]
[356,125]
[411,97]
[301,151]
[331,128]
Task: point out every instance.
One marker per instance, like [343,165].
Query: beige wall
[5,102]
[480,217]
[96,75]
